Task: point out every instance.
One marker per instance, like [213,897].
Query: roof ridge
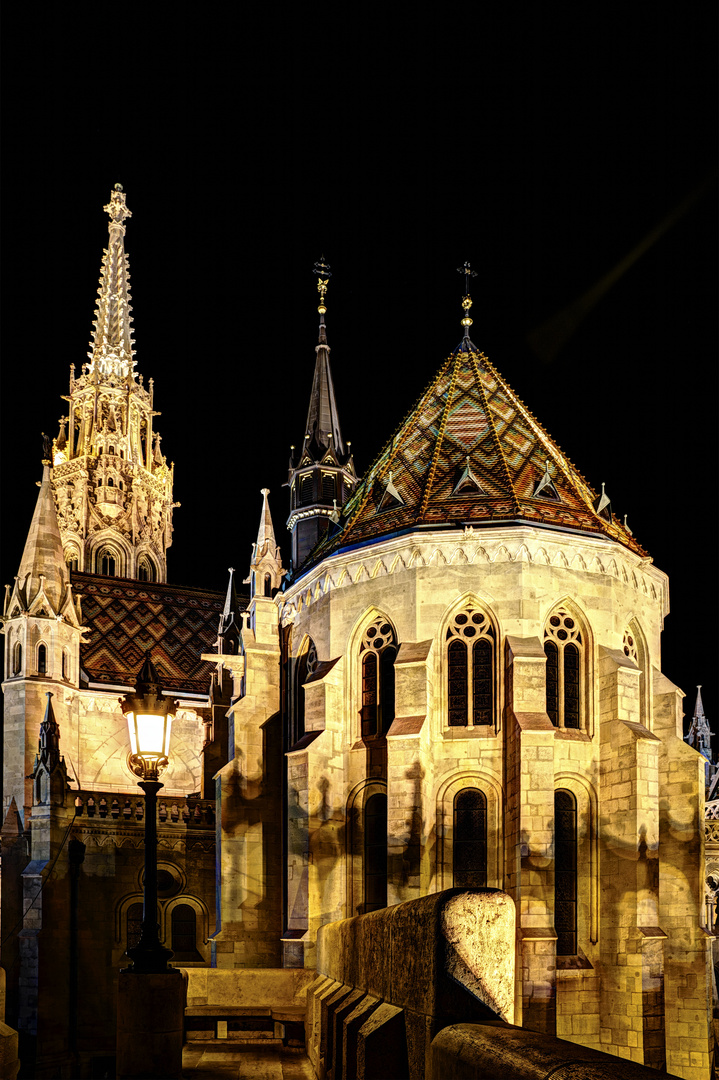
[439,440]
[473,357]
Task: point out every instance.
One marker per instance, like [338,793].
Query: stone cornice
[469,546]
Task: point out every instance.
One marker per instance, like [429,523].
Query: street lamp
[149,719]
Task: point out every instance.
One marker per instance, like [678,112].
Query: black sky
[541,142]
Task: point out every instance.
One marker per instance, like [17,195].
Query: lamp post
[149,719]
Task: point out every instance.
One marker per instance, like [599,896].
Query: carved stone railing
[130,809]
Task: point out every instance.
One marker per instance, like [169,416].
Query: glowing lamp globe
[149,717]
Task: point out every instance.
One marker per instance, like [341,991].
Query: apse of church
[453,681]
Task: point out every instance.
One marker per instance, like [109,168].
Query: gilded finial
[467,299]
[323,279]
[117,209]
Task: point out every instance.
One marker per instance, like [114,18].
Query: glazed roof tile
[469,416]
[126,617]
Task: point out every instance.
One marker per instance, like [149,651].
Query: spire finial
[469,273]
[323,275]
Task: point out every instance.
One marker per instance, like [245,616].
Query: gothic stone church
[456,682]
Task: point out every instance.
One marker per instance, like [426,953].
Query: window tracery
[378,650]
[630,646]
[470,669]
[564,649]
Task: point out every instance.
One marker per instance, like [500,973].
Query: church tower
[41,623]
[113,486]
[321,473]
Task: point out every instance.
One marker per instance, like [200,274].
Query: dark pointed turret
[321,472]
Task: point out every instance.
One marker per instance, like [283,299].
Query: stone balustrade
[130,809]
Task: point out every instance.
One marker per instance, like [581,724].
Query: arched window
[306,664]
[145,570]
[377,651]
[268,585]
[110,482]
[72,560]
[65,664]
[470,669]
[106,563]
[17,659]
[375,852]
[134,925]
[41,660]
[469,840]
[565,872]
[564,649]
[184,934]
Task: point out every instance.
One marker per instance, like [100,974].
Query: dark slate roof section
[126,617]
[469,417]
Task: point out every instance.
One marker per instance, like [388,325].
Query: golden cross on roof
[323,275]
[469,273]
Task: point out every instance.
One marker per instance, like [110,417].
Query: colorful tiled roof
[471,453]
[126,617]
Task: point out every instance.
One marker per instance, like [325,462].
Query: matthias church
[448,675]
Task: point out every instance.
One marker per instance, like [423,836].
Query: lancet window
[145,570]
[42,660]
[565,872]
[17,659]
[106,563]
[469,840]
[306,664]
[377,655]
[470,669]
[564,649]
[134,925]
[375,852]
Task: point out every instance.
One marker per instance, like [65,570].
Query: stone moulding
[524,545]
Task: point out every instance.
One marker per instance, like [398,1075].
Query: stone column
[529,769]
[631,938]
[407,779]
[687,949]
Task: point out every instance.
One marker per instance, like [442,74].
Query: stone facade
[456,683]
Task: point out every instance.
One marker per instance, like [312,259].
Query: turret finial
[323,274]
[467,299]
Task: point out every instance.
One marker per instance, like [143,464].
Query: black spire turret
[321,472]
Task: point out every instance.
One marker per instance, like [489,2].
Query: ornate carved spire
[700,736]
[111,346]
[113,490]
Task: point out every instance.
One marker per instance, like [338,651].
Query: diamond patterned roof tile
[470,416]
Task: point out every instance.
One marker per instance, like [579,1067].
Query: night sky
[546,144]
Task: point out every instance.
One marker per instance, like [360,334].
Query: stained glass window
[564,649]
[565,872]
[470,669]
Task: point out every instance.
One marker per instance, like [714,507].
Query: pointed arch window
[106,563]
[306,664]
[42,660]
[564,649]
[377,656]
[375,852]
[17,659]
[145,570]
[268,585]
[565,872]
[65,664]
[471,691]
[469,840]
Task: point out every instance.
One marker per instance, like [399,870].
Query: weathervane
[323,275]
[467,300]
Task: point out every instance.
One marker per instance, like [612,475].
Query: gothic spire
[321,473]
[699,735]
[266,571]
[322,429]
[112,342]
[42,568]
